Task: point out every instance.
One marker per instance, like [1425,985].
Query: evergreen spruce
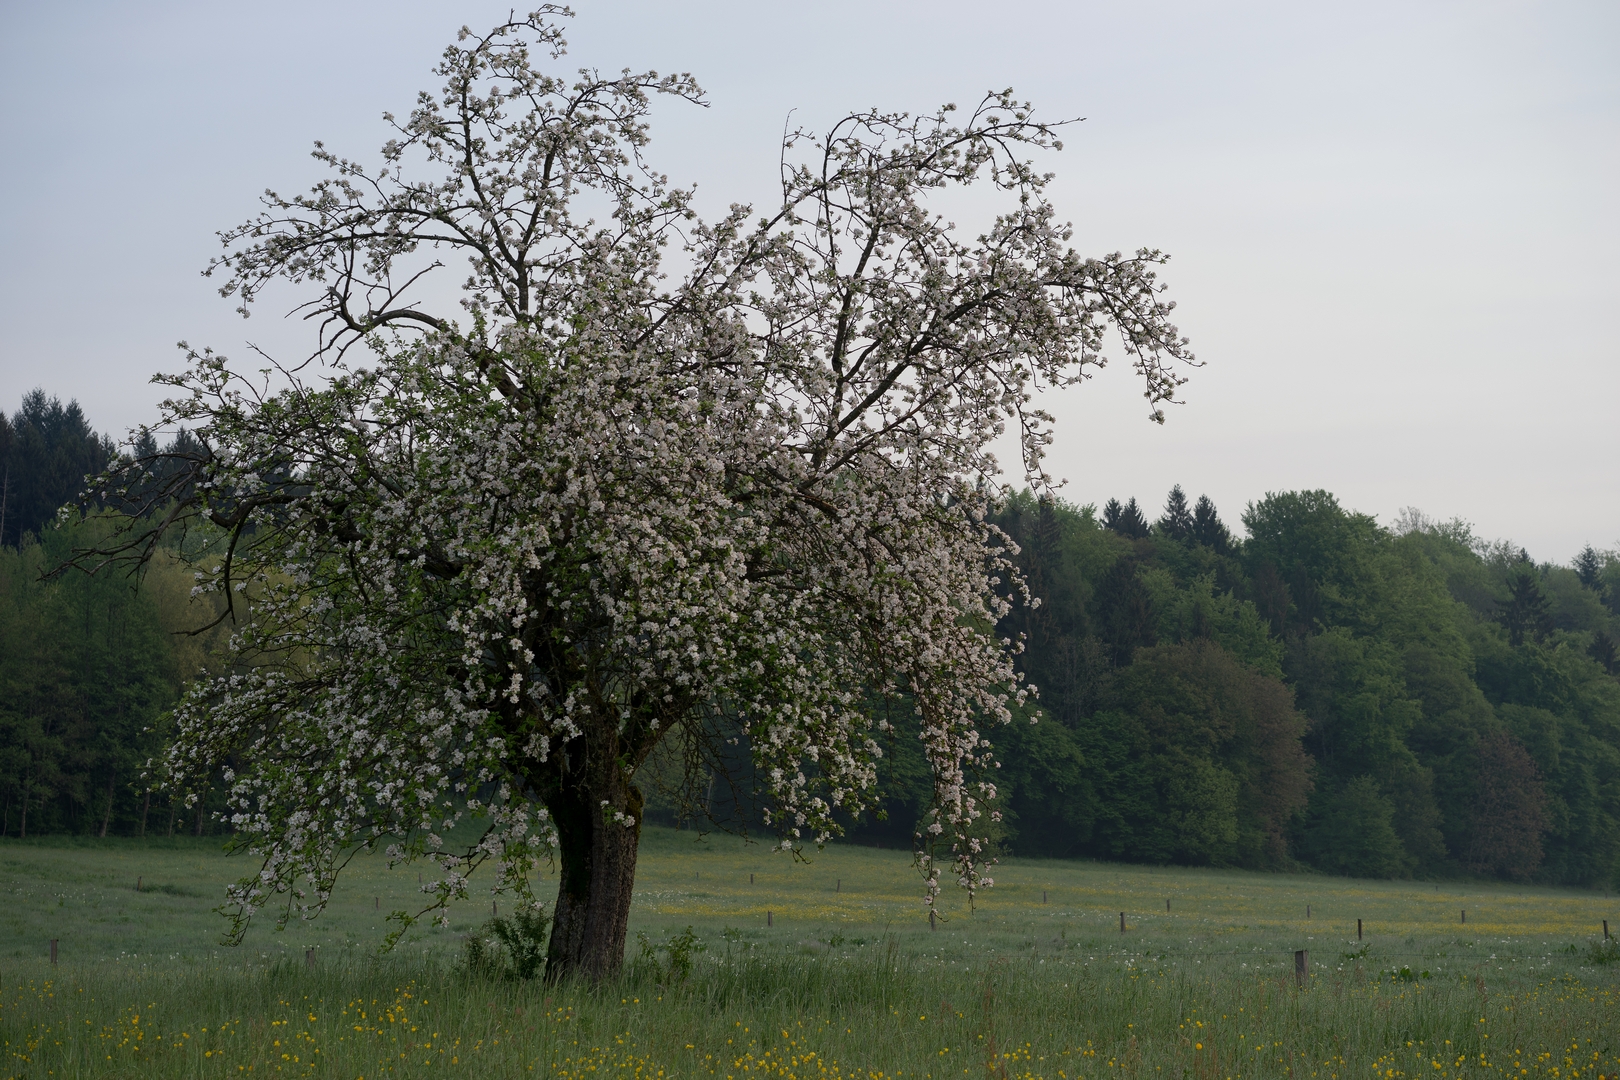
[1589,568]
[47,452]
[1127,520]
[1524,613]
[1177,522]
[1207,530]
[1604,651]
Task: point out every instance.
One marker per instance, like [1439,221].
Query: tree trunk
[146,805]
[27,784]
[597,856]
[106,819]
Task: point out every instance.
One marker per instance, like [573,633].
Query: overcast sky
[1394,226]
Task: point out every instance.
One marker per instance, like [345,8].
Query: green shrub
[1606,951]
[678,952]
[510,948]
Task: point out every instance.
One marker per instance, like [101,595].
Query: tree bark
[597,856]
[106,819]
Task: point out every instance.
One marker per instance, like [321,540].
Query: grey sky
[1394,226]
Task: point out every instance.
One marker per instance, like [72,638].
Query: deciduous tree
[1510,812]
[496,554]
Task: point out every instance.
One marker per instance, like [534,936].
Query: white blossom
[503,555]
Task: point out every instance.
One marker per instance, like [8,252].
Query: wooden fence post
[309,959]
[1302,966]
[53,952]
[1122,922]
[767,918]
[1358,929]
[1465,915]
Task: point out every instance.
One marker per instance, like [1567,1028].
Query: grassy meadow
[843,978]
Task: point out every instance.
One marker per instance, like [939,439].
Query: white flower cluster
[490,570]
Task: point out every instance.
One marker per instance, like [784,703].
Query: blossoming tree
[655,473]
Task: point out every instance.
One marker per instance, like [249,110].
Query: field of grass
[846,980]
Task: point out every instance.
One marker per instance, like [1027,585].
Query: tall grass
[878,1012]
[848,981]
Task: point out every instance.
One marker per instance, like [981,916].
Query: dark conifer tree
[1125,611]
[8,445]
[1598,573]
[1604,651]
[1207,529]
[50,450]
[1177,522]
[1524,613]
[1110,515]
[1127,520]
[168,471]
[1589,568]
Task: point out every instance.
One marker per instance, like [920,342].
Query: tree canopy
[47,451]
[1433,705]
[495,556]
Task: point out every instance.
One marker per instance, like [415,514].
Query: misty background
[1393,226]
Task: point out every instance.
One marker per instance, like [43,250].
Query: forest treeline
[1323,691]
[89,663]
[1372,701]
